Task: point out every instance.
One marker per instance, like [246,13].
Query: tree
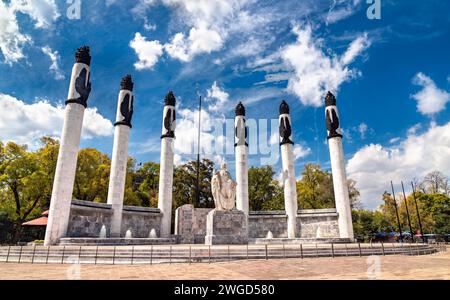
[24,183]
[185,183]
[315,189]
[434,183]
[264,193]
[92,176]
[145,184]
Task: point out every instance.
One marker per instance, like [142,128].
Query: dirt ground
[436,266]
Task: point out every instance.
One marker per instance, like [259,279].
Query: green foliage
[263,191]
[315,189]
[185,183]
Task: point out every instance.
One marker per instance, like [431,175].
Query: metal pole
[198,148]
[190,254]
[229,257]
[407,213]
[151,255]
[132,254]
[301,251]
[417,211]
[48,252]
[20,254]
[209,254]
[284,251]
[359,246]
[332,250]
[7,255]
[170,254]
[382,248]
[34,252]
[266,253]
[79,254]
[396,212]
[114,255]
[96,253]
[63,252]
[247,251]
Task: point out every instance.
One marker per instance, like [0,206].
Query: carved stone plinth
[226,227]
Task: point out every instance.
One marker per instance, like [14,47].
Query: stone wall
[260,222]
[190,224]
[87,219]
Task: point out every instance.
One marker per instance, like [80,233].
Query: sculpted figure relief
[223,189]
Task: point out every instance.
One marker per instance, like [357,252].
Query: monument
[225,224]
[241,152]
[288,170]
[120,153]
[338,168]
[79,90]
[166,164]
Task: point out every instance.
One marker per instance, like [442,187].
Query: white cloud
[26,123]
[341,9]
[43,12]
[11,39]
[362,129]
[200,40]
[221,97]
[431,99]
[54,57]
[148,52]
[314,70]
[374,165]
[300,151]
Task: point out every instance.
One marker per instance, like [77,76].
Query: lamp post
[407,213]
[417,211]
[396,213]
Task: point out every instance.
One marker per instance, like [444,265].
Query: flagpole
[198,149]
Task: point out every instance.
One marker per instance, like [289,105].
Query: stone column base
[226,227]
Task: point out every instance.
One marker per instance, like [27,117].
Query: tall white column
[241,152]
[288,165]
[120,153]
[166,165]
[79,90]
[340,186]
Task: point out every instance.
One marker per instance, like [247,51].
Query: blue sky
[391,76]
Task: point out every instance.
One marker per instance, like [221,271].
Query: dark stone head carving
[83,55]
[170,99]
[284,108]
[127,83]
[330,99]
[240,109]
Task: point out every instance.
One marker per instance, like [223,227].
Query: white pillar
[340,186]
[79,90]
[166,165]
[120,154]
[241,152]
[288,166]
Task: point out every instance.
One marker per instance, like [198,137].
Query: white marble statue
[223,189]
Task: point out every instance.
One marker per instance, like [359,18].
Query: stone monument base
[226,227]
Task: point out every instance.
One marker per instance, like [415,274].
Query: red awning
[42,221]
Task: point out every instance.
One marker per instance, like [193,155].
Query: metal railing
[202,253]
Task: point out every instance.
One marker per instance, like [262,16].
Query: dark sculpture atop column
[83,55]
[285,124]
[127,101]
[332,116]
[82,82]
[241,130]
[169,116]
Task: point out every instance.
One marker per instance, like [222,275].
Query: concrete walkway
[435,266]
